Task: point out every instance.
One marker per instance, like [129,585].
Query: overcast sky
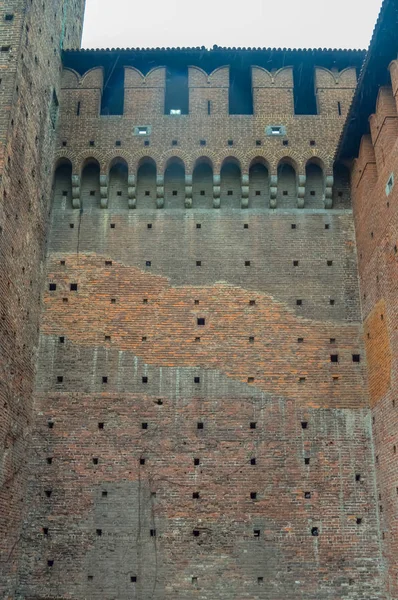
[258,23]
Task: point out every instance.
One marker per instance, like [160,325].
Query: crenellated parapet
[364,170]
[334,90]
[384,126]
[208,93]
[144,94]
[81,95]
[272,91]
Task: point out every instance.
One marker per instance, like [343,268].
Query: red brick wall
[265,388]
[30,71]
[376,230]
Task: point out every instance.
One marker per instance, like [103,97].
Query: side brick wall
[374,189]
[32,34]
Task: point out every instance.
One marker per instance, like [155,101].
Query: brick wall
[375,210]
[213,350]
[32,34]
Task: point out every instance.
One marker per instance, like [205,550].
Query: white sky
[258,23]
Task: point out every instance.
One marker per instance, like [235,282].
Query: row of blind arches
[202,185]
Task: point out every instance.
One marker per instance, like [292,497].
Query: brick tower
[370,145]
[33,34]
[198,400]
[202,427]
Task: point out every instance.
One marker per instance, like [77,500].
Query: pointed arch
[174,183]
[314,186]
[202,183]
[146,183]
[90,184]
[259,183]
[341,186]
[287,183]
[231,183]
[118,183]
[62,184]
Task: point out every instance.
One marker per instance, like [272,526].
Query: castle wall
[203,422]
[374,190]
[32,35]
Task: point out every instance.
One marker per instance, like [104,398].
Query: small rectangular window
[275,130]
[141,130]
[209,107]
[9,16]
[201,321]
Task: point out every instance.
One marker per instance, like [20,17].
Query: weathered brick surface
[31,40]
[131,388]
[376,228]
[119,356]
[226,558]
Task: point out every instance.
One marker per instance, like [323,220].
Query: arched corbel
[104,191]
[273,190]
[301,181]
[159,191]
[216,191]
[328,200]
[244,203]
[188,191]
[131,191]
[76,191]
